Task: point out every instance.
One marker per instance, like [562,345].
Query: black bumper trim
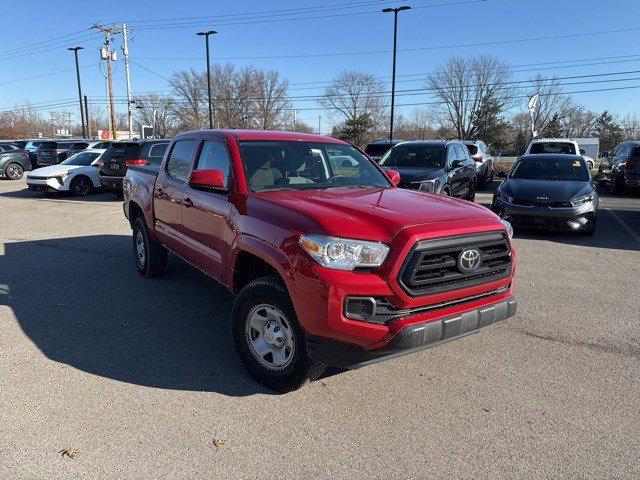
[412,339]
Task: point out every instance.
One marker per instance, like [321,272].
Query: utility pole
[109,55]
[86,112]
[206,36]
[319,124]
[395,42]
[75,53]
[125,52]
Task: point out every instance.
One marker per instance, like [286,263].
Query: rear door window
[473,149]
[179,160]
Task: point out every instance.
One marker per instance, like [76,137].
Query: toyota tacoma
[330,262]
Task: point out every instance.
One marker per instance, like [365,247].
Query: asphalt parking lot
[139,375]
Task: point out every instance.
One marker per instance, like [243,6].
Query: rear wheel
[445,192]
[14,171]
[150,256]
[471,196]
[81,186]
[268,339]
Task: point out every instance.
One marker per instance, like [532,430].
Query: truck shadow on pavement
[82,303]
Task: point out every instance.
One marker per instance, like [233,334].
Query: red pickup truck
[330,263]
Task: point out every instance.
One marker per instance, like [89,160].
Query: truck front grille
[433,266]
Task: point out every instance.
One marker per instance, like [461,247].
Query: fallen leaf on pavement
[217,442]
[69,452]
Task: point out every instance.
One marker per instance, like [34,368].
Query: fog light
[573,224]
[359,308]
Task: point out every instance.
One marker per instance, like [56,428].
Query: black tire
[13,171]
[445,192]
[118,193]
[154,261]
[300,369]
[81,186]
[591,231]
[471,195]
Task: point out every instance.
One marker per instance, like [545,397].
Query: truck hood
[374,213]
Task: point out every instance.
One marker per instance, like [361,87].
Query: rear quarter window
[156,153]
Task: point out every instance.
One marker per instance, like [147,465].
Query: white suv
[559,145]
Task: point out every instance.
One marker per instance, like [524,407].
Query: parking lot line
[622,223]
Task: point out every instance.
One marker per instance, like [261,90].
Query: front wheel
[14,171]
[150,256]
[80,186]
[268,339]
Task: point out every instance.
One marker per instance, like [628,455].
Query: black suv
[118,157]
[378,148]
[440,167]
[52,152]
[621,169]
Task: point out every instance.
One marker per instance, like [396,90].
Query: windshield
[567,169]
[564,148]
[82,158]
[415,156]
[294,165]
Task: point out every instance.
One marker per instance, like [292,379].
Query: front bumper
[413,338]
[47,184]
[571,219]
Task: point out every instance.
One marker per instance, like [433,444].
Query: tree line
[468,98]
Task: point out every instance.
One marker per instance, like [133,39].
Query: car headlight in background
[504,197]
[509,228]
[343,254]
[576,202]
[62,178]
[429,186]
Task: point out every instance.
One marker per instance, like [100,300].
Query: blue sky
[246,35]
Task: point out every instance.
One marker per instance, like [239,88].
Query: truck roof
[277,135]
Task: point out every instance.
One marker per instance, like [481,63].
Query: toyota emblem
[469,260]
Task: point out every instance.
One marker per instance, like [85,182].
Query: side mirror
[207,180]
[393,176]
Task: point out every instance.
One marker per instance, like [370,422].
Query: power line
[44,41]
[46,74]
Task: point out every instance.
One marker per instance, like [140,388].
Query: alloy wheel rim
[270,337]
[81,187]
[140,253]
[13,172]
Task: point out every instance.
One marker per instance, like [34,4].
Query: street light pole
[75,53]
[206,37]
[393,75]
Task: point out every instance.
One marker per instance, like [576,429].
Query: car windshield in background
[376,150]
[48,145]
[78,146]
[415,156]
[293,165]
[553,147]
[569,169]
[82,158]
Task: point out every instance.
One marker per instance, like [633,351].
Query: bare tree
[578,121]
[354,94]
[157,111]
[272,101]
[631,127]
[463,87]
[190,99]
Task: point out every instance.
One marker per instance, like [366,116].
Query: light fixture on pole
[393,75]
[206,36]
[75,54]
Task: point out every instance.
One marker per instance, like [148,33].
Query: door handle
[187,202]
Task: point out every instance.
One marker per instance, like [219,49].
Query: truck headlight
[428,186]
[576,202]
[509,228]
[343,254]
